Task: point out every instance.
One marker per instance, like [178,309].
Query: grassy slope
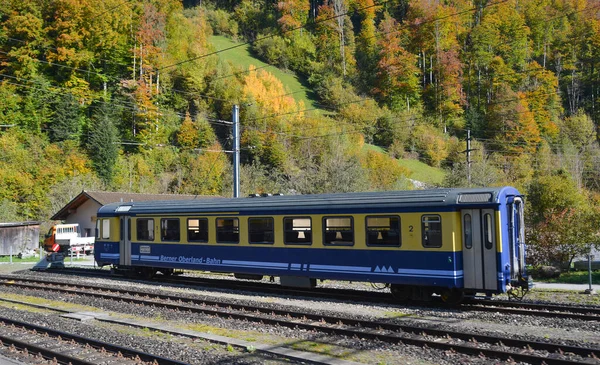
[242,57]
[420,171]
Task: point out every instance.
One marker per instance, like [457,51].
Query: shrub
[222,23]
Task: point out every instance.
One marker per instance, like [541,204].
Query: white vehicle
[67,238]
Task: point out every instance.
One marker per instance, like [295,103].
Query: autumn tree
[430,144]
[337,172]
[293,14]
[384,172]
[397,80]
[511,124]
[436,41]
[188,137]
[204,172]
[10,110]
[541,92]
[23,27]
[269,112]
[334,41]
[366,52]
[563,235]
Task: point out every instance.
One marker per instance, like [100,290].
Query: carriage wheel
[452,296]
[401,293]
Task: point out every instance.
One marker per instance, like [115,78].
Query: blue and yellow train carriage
[445,241]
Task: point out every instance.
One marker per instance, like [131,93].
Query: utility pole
[236,151]
[469,158]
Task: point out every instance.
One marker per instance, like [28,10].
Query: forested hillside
[131,95]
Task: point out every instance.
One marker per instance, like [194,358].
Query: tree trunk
[339,9]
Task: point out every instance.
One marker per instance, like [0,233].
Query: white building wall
[85,216]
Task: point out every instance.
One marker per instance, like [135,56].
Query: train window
[228,230]
[487,231]
[468,231]
[197,229]
[169,229]
[106,228]
[383,231]
[98,221]
[431,230]
[260,230]
[338,231]
[297,231]
[145,229]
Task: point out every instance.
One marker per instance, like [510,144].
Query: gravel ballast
[571,332]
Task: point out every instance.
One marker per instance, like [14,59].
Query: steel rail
[125,351]
[44,352]
[483,305]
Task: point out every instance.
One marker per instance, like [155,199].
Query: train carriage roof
[371,202]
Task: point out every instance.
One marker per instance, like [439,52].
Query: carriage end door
[125,241]
[479,249]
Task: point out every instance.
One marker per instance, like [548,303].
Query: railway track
[67,348]
[536,309]
[584,313]
[497,347]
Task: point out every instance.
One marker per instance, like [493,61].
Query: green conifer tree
[66,124]
[103,141]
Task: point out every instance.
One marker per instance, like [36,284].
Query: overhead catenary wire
[365,99]
[126,106]
[271,36]
[441,18]
[300,27]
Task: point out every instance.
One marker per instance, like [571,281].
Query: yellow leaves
[384,171]
[205,172]
[524,133]
[79,87]
[188,134]
[76,164]
[32,166]
[268,92]
[26,26]
[294,13]
[543,99]
[275,110]
[431,144]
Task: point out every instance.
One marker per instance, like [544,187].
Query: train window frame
[139,228]
[488,231]
[218,230]
[378,233]
[286,231]
[426,220]
[334,242]
[172,234]
[189,230]
[265,233]
[468,238]
[105,228]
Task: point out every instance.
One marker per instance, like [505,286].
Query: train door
[516,237]
[479,249]
[125,241]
